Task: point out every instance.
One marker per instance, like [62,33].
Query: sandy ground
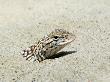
[23,22]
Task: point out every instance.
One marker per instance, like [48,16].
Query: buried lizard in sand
[49,45]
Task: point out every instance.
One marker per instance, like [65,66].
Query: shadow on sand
[61,54]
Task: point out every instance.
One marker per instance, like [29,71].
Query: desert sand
[24,22]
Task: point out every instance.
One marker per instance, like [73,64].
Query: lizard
[49,45]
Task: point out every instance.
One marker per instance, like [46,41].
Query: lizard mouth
[65,42]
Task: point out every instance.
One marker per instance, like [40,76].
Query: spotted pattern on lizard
[49,45]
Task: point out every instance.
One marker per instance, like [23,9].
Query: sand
[23,22]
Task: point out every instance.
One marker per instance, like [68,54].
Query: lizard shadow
[61,54]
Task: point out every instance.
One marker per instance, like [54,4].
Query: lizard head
[62,37]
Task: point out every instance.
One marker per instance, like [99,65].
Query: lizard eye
[55,37]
